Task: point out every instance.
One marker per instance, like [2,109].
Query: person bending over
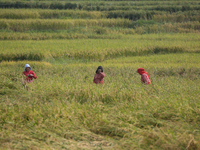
[99,76]
[144,76]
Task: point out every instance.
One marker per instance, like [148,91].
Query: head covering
[27,65]
[100,67]
[141,71]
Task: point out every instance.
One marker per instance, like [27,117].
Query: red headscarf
[141,71]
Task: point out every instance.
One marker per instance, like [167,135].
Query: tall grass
[69,14]
[175,18]
[170,9]
[97,33]
[63,109]
[40,24]
[103,25]
[102,6]
[48,14]
[140,27]
[99,49]
[158,16]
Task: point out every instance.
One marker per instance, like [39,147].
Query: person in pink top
[99,76]
[144,76]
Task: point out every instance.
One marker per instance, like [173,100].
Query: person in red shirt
[99,76]
[144,76]
[30,75]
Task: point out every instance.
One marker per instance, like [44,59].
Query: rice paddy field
[65,41]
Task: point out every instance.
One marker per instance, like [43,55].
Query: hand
[30,75]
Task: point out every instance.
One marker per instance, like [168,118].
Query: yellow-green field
[65,110]
[100,49]
[65,41]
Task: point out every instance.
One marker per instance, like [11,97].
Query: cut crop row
[99,7]
[39,24]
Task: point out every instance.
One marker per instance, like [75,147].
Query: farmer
[99,76]
[30,75]
[144,76]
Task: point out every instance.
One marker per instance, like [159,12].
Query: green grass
[65,110]
[158,16]
[59,24]
[99,49]
[33,29]
[49,14]
[169,6]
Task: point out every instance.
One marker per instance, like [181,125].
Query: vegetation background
[64,41]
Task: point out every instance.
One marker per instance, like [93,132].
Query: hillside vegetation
[64,41]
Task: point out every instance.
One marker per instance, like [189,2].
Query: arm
[102,75]
[33,75]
